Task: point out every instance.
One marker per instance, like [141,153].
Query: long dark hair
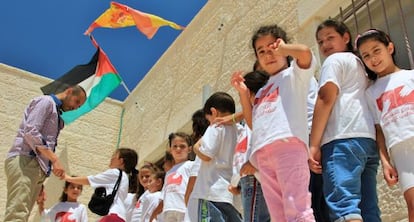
[273,30]
[340,28]
[376,35]
[64,196]
[130,158]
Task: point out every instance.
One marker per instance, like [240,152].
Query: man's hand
[58,169]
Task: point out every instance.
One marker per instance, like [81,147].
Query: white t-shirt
[214,176]
[241,154]
[108,179]
[312,95]
[66,212]
[149,202]
[130,205]
[350,116]
[196,167]
[391,101]
[137,211]
[280,108]
[175,184]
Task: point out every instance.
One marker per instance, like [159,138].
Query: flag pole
[129,93]
[125,86]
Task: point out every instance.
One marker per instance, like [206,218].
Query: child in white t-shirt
[391,100]
[342,139]
[211,198]
[278,120]
[144,176]
[151,201]
[254,205]
[123,159]
[173,206]
[68,209]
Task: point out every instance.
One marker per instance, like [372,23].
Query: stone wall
[216,43]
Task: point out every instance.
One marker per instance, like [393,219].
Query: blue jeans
[209,211]
[254,205]
[349,179]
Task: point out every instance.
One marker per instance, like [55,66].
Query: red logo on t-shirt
[174,178]
[265,96]
[64,217]
[241,147]
[138,204]
[394,98]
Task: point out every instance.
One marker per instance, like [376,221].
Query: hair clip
[368,32]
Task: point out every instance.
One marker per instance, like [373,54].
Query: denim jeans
[210,211]
[254,205]
[349,179]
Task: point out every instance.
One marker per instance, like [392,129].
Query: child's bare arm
[237,81]
[389,171]
[200,155]
[157,211]
[300,52]
[324,104]
[77,180]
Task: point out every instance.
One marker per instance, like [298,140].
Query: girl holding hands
[391,100]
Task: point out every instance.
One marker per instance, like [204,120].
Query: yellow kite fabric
[119,15]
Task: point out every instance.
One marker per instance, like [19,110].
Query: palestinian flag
[119,15]
[99,78]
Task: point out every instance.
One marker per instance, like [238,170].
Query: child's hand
[247,169]
[315,160]
[390,174]
[65,177]
[237,81]
[41,198]
[57,169]
[233,190]
[225,120]
[278,46]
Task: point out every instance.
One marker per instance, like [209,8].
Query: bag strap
[117,183]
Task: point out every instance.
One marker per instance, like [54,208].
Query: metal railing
[351,15]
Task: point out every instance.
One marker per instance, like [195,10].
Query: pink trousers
[111,218]
[284,174]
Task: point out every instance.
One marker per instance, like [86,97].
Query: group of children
[359,113]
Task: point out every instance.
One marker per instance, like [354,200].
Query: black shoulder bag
[100,202]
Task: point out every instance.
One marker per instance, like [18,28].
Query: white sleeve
[372,107]
[44,216]
[84,213]
[196,167]
[105,179]
[211,140]
[331,71]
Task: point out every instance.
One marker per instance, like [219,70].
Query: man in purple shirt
[31,158]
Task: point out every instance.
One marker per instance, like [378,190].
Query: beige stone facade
[216,43]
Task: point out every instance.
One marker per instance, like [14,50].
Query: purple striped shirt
[40,126]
